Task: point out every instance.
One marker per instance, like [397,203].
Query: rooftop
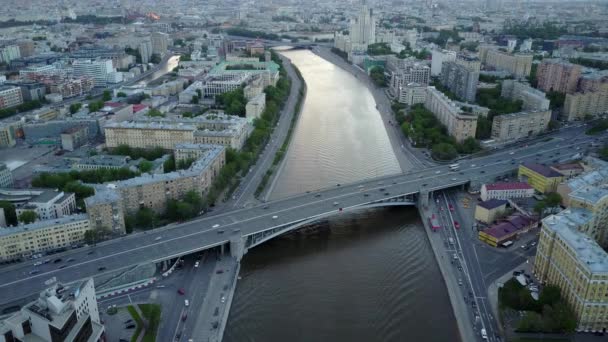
[542,170]
[591,194]
[587,251]
[565,167]
[508,186]
[492,203]
[509,226]
[150,125]
[260,67]
[38,195]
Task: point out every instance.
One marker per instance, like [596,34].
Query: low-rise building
[542,178]
[42,236]
[46,203]
[505,191]
[459,124]
[506,230]
[515,126]
[490,210]
[6,176]
[139,134]
[569,171]
[61,313]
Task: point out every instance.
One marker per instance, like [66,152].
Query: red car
[456,224]
[181,292]
[451,207]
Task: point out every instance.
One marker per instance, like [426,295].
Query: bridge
[242,229]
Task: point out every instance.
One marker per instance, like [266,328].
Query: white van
[484,335]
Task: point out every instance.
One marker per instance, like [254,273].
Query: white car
[223,299]
[215,226]
[196,264]
[511,153]
[437,172]
[186,303]
[275,217]
[158,238]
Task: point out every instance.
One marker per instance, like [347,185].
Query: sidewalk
[461,312]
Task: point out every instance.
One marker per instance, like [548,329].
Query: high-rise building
[516,64]
[526,45]
[581,104]
[532,99]
[97,70]
[411,73]
[9,52]
[61,313]
[6,177]
[145,50]
[459,124]
[160,41]
[557,75]
[438,58]
[363,28]
[515,126]
[10,96]
[460,80]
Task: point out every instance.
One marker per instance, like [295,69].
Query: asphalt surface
[203,233]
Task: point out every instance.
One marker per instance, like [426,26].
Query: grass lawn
[151,313]
[137,319]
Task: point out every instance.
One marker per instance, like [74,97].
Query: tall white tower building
[363,28]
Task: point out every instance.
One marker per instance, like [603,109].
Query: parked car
[181,292]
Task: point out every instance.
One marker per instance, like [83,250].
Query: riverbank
[465,325]
[407,157]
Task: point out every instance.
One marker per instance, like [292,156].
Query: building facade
[438,58]
[411,73]
[581,104]
[542,178]
[42,236]
[515,126]
[6,176]
[532,99]
[559,76]
[10,96]
[97,70]
[516,64]
[147,134]
[505,191]
[459,124]
[412,93]
[460,80]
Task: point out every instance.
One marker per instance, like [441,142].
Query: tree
[121,94]
[155,113]
[91,237]
[603,153]
[95,106]
[553,125]
[145,166]
[75,107]
[28,216]
[9,213]
[377,75]
[444,151]
[145,218]
[107,96]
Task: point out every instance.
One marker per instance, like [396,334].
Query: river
[366,276]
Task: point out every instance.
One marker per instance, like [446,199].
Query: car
[511,153]
[318,195]
[459,282]
[454,179]
[184,316]
[482,171]
[451,207]
[57,260]
[533,244]
[70,260]
[130,326]
[186,303]
[424,184]
[158,238]
[524,247]
[32,272]
[215,226]
[366,195]
[62,267]
[386,193]
[223,299]
[196,264]
[90,252]
[336,203]
[181,292]
[101,268]
[38,263]
[437,172]
[265,207]
[456,224]
[382,189]
[178,335]
[219,271]
[274,217]
[220,231]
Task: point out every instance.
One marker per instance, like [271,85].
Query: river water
[367,276]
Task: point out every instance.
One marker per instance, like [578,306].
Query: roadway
[245,193]
[205,232]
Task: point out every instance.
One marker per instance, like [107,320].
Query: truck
[451,241]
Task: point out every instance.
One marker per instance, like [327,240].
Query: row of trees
[379,49]
[423,129]
[136,153]
[549,314]
[598,128]
[65,183]
[177,210]
[55,180]
[233,102]
[543,31]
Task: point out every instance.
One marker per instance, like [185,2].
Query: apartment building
[570,257]
[97,70]
[557,75]
[46,203]
[106,211]
[412,93]
[542,178]
[581,104]
[532,99]
[460,80]
[42,236]
[255,107]
[412,73]
[505,191]
[9,52]
[438,58]
[459,124]
[516,64]
[159,41]
[514,126]
[8,133]
[147,134]
[72,87]
[10,96]
[155,190]
[6,176]
[593,177]
[60,313]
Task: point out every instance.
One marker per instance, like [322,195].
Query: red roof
[138,107]
[508,227]
[508,186]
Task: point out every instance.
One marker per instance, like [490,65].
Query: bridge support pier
[237,247]
[423,198]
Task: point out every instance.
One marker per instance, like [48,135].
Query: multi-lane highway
[202,233]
